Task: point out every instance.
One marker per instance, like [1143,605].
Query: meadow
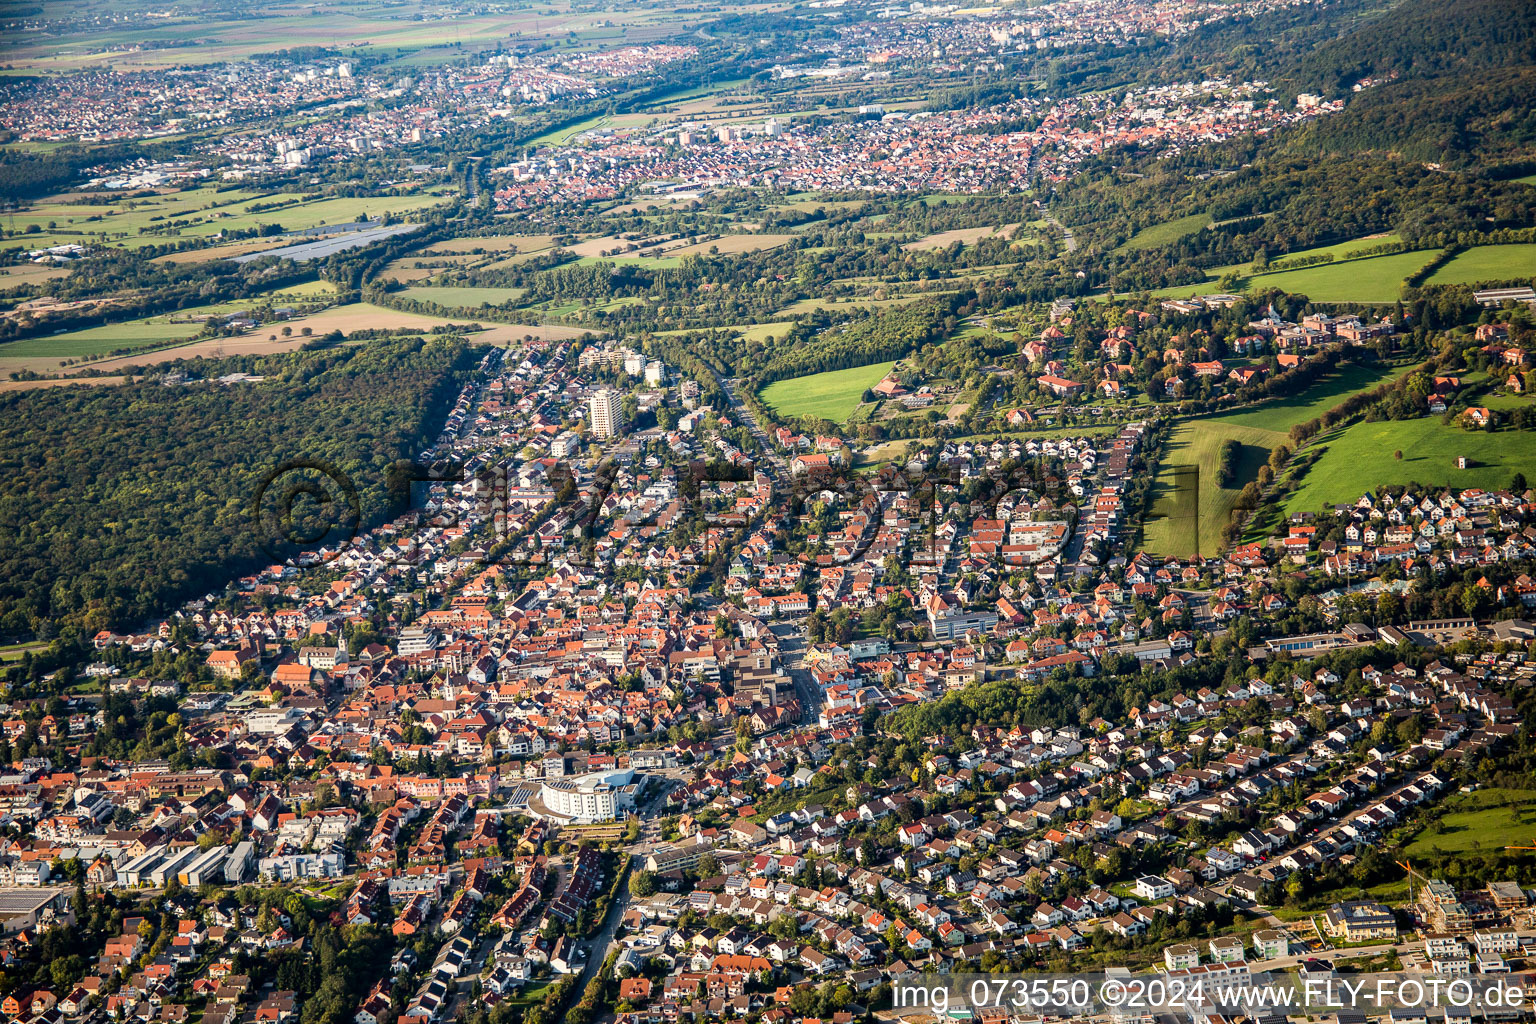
[1190,506]
[965,236]
[1281,414]
[832,395]
[1162,234]
[731,244]
[1489,263]
[1372,279]
[1360,457]
[463,297]
[1484,820]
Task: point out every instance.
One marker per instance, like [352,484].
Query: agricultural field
[364,27]
[1489,263]
[44,353]
[965,236]
[1483,820]
[1361,457]
[59,382]
[30,274]
[463,298]
[832,395]
[198,212]
[488,245]
[222,252]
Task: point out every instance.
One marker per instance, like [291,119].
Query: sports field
[1360,458]
[1489,263]
[832,395]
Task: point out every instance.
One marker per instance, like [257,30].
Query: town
[814,513]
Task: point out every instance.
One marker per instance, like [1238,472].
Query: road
[770,454]
[792,656]
[600,945]
[1067,238]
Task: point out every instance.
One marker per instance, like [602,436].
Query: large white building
[607,413]
[598,796]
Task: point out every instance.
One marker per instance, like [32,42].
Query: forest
[117,502]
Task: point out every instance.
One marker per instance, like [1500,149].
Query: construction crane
[1412,874]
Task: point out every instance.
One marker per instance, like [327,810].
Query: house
[1358,920]
[1059,386]
[1181,956]
[1270,943]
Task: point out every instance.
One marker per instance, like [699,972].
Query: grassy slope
[1360,458]
[1170,528]
[1162,234]
[1489,263]
[1487,819]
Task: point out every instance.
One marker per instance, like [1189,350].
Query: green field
[832,395]
[464,298]
[1188,466]
[1339,251]
[96,341]
[763,332]
[1360,458]
[197,212]
[1373,279]
[1179,526]
[1162,234]
[1489,263]
[1281,414]
[1485,820]
[561,136]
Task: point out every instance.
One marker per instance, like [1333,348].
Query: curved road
[1068,239]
